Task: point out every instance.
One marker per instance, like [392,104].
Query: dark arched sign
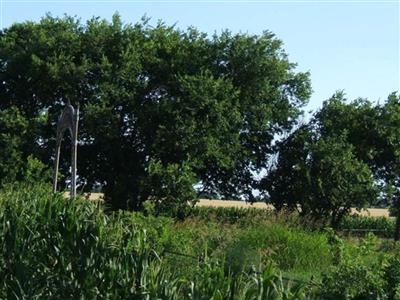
[68,121]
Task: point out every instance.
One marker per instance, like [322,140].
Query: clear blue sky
[349,45]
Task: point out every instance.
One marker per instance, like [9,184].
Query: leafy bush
[357,273]
[170,189]
[350,280]
[392,276]
[36,171]
[13,138]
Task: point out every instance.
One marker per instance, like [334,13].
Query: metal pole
[74,136]
[56,162]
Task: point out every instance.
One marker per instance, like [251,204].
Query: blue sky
[349,45]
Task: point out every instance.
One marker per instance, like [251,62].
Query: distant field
[373,212]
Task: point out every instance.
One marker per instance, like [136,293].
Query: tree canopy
[319,176]
[150,96]
[341,158]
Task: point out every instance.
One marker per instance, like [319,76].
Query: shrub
[36,171]
[352,281]
[352,277]
[170,188]
[392,276]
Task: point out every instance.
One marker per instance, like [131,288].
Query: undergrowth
[52,247]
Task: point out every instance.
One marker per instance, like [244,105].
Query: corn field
[55,248]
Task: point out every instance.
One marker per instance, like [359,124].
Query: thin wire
[206,1]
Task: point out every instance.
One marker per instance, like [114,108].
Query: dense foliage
[164,110]
[373,131]
[319,176]
[208,105]
[345,156]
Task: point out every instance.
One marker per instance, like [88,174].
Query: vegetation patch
[55,247]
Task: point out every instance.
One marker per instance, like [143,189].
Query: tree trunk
[397,228]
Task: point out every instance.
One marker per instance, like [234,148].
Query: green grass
[52,247]
[55,248]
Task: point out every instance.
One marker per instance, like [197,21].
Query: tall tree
[374,132]
[153,94]
[319,176]
[387,158]
[371,130]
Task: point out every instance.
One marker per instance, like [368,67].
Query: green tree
[152,93]
[357,119]
[287,182]
[319,176]
[374,133]
[387,158]
[13,128]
